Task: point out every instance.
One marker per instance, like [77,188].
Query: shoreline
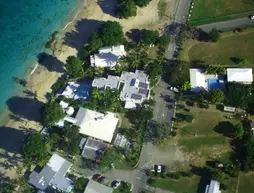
[40,80]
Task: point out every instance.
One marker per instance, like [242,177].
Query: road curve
[227,25]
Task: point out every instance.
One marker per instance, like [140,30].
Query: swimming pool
[82,92]
[213,84]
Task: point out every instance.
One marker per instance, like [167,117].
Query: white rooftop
[243,75]
[135,87]
[56,162]
[214,187]
[107,56]
[94,124]
[197,80]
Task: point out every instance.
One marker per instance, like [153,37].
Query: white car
[116,184]
[174,89]
[252,17]
[159,169]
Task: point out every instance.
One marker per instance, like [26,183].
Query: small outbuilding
[229,109]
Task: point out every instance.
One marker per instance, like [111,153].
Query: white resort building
[91,123]
[107,56]
[134,87]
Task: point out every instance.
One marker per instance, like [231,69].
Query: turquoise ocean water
[25,27]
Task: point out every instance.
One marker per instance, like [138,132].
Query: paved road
[182,11]
[226,25]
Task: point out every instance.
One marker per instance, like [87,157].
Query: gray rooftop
[102,83]
[93,148]
[52,175]
[95,187]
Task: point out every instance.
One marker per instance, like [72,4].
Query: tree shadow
[27,108]
[11,140]
[50,62]
[225,128]
[108,7]
[173,29]
[83,30]
[134,35]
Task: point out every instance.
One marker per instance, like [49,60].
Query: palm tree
[96,94]
[135,61]
[99,71]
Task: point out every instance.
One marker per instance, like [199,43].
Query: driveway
[227,25]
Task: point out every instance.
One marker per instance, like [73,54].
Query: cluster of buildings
[199,80]
[97,128]
[54,177]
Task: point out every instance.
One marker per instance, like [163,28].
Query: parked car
[174,89]
[101,179]
[116,184]
[251,16]
[96,177]
[160,168]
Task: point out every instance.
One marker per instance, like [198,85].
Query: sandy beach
[24,114]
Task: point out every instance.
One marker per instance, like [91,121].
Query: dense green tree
[216,96]
[142,3]
[163,40]
[94,43]
[74,67]
[178,73]
[52,112]
[149,36]
[214,35]
[8,187]
[71,139]
[111,33]
[249,157]
[111,157]
[80,184]
[126,8]
[24,187]
[237,94]
[34,147]
[238,131]
[186,85]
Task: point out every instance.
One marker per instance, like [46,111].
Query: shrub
[188,118]
[58,85]
[190,103]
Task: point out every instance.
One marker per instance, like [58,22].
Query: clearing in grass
[203,9]
[230,46]
[246,184]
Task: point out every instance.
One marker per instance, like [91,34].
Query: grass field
[189,185]
[246,184]
[230,45]
[203,9]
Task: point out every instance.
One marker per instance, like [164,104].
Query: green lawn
[189,185]
[198,142]
[246,184]
[236,45]
[125,122]
[203,9]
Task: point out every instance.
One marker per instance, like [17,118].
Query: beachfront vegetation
[35,149]
[52,112]
[74,67]
[216,96]
[214,35]
[126,8]
[111,33]
[142,3]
